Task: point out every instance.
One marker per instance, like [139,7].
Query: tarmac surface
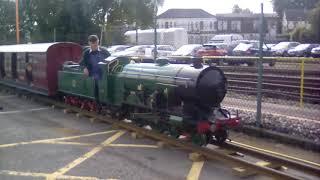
[39,142]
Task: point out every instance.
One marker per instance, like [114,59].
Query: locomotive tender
[172,98]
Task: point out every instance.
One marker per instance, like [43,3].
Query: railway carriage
[34,67]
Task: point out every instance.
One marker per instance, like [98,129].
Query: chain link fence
[290,93]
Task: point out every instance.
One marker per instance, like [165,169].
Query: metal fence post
[259,85]
[302,82]
[155,29]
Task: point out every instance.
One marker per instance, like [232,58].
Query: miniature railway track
[227,153]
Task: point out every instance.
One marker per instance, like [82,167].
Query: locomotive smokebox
[207,86]
[211,86]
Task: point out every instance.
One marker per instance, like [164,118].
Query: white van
[226,38]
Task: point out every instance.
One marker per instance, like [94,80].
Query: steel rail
[309,167]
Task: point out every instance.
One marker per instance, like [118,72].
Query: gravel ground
[271,100]
[300,128]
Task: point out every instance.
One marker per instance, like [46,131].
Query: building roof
[245,15]
[185,13]
[39,47]
[296,15]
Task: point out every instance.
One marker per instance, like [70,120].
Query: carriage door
[7,65]
[21,66]
[2,70]
[14,72]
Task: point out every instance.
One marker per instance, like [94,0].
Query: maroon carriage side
[34,67]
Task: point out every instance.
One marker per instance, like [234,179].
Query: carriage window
[14,72]
[2,70]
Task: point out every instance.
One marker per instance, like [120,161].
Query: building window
[235,26]
[166,25]
[170,24]
[191,41]
[191,26]
[201,25]
[175,24]
[225,25]
[211,25]
[197,25]
[220,25]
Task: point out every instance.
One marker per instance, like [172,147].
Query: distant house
[202,26]
[198,23]
[246,24]
[293,18]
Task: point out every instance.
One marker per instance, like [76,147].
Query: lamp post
[260,71]
[17,22]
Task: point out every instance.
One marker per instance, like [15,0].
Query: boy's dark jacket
[86,58]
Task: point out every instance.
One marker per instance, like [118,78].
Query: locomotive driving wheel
[220,136]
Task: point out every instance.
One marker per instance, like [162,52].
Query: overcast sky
[217,6]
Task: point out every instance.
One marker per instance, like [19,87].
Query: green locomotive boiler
[172,98]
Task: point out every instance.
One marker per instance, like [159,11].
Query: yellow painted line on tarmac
[195,170]
[276,153]
[55,139]
[45,175]
[9,96]
[133,145]
[67,143]
[86,156]
[23,111]
[276,114]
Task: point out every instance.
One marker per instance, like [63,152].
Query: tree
[314,21]
[279,6]
[237,10]
[7,22]
[71,20]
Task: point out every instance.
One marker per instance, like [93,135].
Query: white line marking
[23,111]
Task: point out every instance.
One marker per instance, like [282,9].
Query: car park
[302,50]
[282,48]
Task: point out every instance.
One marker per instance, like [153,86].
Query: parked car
[315,52]
[117,48]
[233,45]
[212,50]
[226,38]
[282,48]
[187,50]
[302,50]
[146,51]
[268,46]
[162,51]
[133,51]
[251,48]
